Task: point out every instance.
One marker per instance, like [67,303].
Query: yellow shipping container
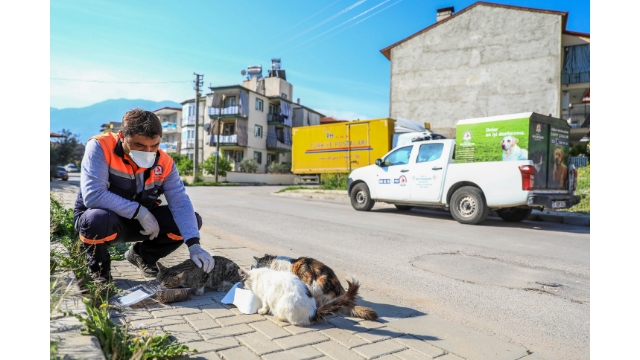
[340,147]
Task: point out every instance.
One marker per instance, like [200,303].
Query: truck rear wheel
[468,206]
[404,207]
[361,198]
[514,214]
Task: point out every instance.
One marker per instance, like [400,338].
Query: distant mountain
[85,122]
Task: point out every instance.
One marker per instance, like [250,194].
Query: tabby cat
[287,298]
[188,274]
[322,282]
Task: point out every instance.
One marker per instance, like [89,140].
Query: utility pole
[197,84]
[218,139]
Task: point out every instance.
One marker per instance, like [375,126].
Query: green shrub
[279,168]
[183,163]
[334,181]
[248,166]
[224,165]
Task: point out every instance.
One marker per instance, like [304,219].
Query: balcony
[578,116]
[188,144]
[230,110]
[189,120]
[278,120]
[227,140]
[169,127]
[278,146]
[169,147]
[576,68]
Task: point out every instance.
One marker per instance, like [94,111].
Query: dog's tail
[346,300]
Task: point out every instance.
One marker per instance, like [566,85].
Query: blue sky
[329,49]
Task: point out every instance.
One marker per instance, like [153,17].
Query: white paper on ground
[134,297]
[245,300]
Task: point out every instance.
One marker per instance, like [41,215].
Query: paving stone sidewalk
[220,331]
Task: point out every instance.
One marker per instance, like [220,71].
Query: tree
[183,163]
[63,150]
[224,165]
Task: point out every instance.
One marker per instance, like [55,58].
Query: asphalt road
[490,278]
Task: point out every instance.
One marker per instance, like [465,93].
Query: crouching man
[122,177]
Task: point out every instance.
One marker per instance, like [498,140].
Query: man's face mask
[143,159]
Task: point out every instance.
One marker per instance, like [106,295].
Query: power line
[352,25]
[350,7]
[120,82]
[275,36]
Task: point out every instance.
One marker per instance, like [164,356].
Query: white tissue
[245,300]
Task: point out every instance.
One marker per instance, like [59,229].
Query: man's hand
[201,257]
[148,223]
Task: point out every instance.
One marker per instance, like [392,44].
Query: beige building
[491,59]
[171,119]
[253,120]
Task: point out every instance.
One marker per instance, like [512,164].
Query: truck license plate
[558,204]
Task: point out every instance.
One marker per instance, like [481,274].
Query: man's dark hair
[141,122]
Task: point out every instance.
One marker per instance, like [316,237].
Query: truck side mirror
[378,162]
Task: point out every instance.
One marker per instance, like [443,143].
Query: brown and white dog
[560,170]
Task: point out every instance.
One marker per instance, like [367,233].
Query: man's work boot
[147,270]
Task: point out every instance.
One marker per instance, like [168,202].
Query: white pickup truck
[423,173]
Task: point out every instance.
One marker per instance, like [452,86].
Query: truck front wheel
[361,198]
[468,206]
[514,214]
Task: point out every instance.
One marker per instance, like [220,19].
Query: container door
[427,173]
[393,175]
[359,146]
[539,152]
[558,170]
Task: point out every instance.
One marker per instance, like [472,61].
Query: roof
[387,51]
[56,135]
[330,119]
[168,108]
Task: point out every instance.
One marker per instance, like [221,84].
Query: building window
[259,105]
[230,101]
[284,96]
[191,110]
[257,156]
[228,129]
[271,158]
[239,155]
[257,131]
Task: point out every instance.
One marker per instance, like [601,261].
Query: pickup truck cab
[423,173]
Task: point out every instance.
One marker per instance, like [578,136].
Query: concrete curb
[558,217]
[65,330]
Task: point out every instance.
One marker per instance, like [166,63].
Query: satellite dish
[243,72]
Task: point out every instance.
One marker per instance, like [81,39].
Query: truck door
[393,175]
[359,148]
[428,172]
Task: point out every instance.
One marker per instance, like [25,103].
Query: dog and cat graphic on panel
[299,291]
[559,171]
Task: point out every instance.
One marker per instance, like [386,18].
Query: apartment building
[252,120]
[171,119]
[491,59]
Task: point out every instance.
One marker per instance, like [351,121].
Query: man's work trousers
[100,229]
